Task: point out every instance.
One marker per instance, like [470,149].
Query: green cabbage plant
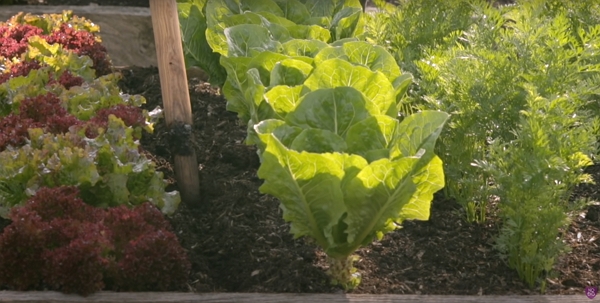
[322,108]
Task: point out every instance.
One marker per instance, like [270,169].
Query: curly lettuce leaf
[109,169]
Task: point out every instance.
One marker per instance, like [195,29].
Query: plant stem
[343,272]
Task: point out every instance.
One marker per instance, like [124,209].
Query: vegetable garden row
[358,120]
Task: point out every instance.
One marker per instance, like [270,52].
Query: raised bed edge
[167,297]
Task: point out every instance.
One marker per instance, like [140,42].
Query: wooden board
[176,98]
[149,297]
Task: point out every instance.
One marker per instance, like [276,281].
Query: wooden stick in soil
[176,98]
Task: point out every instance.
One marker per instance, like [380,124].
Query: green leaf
[389,191]
[429,179]
[290,72]
[328,8]
[236,84]
[376,195]
[401,85]
[303,47]
[372,134]
[283,99]
[344,41]
[277,26]
[374,85]
[254,95]
[283,132]
[218,10]
[192,21]
[309,32]
[375,57]
[348,23]
[318,141]
[265,63]
[332,109]
[224,14]
[418,133]
[247,40]
[308,186]
[293,10]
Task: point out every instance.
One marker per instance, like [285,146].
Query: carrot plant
[535,174]
[522,84]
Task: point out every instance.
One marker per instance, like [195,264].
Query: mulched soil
[238,242]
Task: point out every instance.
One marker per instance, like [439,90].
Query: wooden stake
[176,98]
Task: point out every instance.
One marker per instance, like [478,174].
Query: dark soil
[238,242]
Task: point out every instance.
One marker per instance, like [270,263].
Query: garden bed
[238,242]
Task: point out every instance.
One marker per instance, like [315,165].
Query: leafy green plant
[521,84]
[344,198]
[504,50]
[109,170]
[64,121]
[535,174]
[203,24]
[197,52]
[524,123]
[322,107]
[413,28]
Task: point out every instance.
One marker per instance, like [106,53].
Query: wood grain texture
[149,297]
[175,93]
[171,64]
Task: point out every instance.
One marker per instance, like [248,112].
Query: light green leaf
[333,109]
[308,186]
[283,99]
[303,47]
[429,179]
[374,85]
[375,57]
[247,40]
[401,84]
[264,63]
[310,32]
[376,195]
[372,133]
[418,133]
[290,72]
[318,141]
